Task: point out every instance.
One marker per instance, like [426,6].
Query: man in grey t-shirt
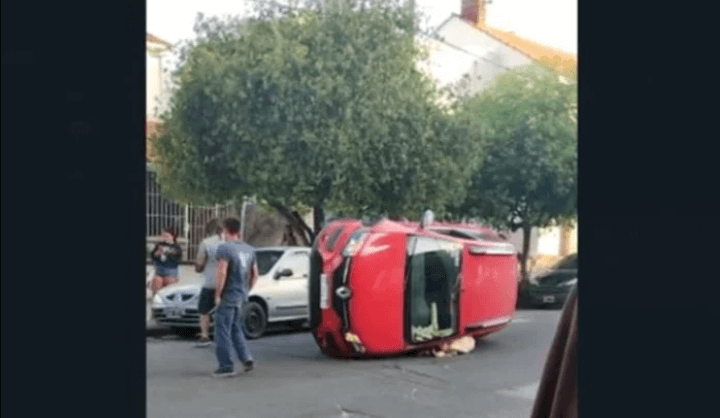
[236,275]
[206,262]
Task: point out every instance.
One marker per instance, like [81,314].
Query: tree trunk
[289,236]
[318,219]
[306,234]
[527,229]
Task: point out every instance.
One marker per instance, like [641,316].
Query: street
[499,379]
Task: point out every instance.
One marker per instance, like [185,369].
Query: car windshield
[567,263]
[267,259]
[555,279]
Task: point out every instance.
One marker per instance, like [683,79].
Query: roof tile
[152,38]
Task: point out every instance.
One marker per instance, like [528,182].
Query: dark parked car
[551,289]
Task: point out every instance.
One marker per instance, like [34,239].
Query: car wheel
[254,320]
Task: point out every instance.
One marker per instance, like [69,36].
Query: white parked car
[280,294]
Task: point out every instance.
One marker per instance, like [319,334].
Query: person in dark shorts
[166,256]
[236,267]
[206,262]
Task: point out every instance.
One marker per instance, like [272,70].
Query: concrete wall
[547,241]
[516,239]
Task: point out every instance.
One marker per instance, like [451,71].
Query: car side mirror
[283,273]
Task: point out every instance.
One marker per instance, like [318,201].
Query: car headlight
[157,300]
[568,283]
[356,241]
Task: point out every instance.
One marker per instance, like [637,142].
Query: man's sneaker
[249,365]
[224,373]
[204,342]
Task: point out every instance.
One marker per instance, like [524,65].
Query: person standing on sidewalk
[206,262]
[236,267]
[166,256]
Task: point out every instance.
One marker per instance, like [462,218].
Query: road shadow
[283,329]
[193,334]
[539,308]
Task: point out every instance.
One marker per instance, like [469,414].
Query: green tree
[527,121]
[321,107]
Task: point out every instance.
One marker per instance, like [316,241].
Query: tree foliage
[522,183]
[527,122]
[323,107]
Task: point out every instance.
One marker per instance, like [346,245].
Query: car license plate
[324,293]
[174,313]
[548,299]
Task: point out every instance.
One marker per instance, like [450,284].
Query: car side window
[298,262]
[434,267]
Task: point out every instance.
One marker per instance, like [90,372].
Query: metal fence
[161,212]
[199,217]
[189,221]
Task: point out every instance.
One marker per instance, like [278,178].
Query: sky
[549,22]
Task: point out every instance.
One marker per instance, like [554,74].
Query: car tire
[254,320]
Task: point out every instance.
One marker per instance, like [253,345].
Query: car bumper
[189,318]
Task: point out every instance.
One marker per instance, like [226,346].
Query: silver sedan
[280,294]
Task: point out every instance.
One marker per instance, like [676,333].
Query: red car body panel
[375,314]
[328,331]
[485,279]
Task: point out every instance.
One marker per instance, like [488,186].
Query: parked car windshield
[267,259]
[555,279]
[567,263]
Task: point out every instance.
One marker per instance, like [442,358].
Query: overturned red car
[396,287]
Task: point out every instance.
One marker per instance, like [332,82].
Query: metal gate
[199,217]
[189,221]
[161,212]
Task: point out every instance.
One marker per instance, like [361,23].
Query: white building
[158,75]
[467,53]
[157,94]
[465,45]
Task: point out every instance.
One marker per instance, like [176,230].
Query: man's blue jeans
[229,334]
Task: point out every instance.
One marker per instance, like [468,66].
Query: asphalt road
[499,379]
